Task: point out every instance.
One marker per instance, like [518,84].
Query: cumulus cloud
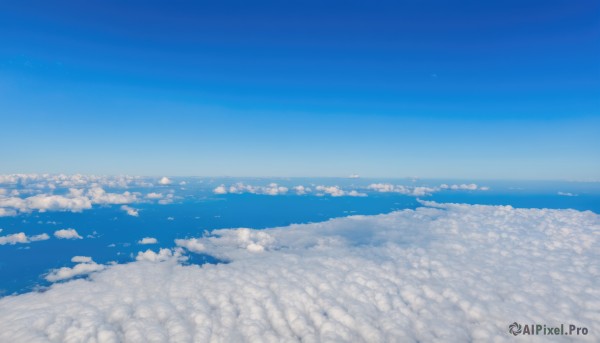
[81,259]
[421,190]
[151,256]
[240,187]
[14,238]
[86,267]
[275,189]
[168,199]
[7,212]
[567,194]
[154,195]
[130,211]
[445,272]
[220,190]
[336,191]
[301,190]
[75,200]
[67,234]
[22,238]
[98,195]
[148,240]
[164,181]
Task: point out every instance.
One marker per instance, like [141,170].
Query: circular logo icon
[515,328]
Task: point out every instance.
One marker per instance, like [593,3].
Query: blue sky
[462,89]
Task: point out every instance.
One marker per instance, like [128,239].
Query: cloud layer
[449,273]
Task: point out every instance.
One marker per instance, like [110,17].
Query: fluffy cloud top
[76,200]
[87,266]
[164,181]
[336,191]
[239,188]
[151,256]
[275,189]
[67,234]
[421,190]
[450,273]
[154,195]
[130,211]
[22,238]
[148,240]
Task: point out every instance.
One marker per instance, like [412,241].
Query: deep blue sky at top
[468,89]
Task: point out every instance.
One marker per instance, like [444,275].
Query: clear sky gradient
[461,89]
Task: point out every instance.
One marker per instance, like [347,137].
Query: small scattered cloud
[567,194]
[164,181]
[67,234]
[154,195]
[81,259]
[87,266]
[130,211]
[151,256]
[148,240]
[220,190]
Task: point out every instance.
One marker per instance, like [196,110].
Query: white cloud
[164,181]
[22,238]
[154,195]
[448,272]
[130,211]
[14,238]
[75,200]
[79,269]
[336,191]
[168,199]
[40,237]
[421,190]
[98,195]
[301,190]
[67,234]
[240,187]
[220,190]
[148,240]
[7,212]
[81,259]
[151,256]
[567,194]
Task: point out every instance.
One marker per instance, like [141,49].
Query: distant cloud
[81,259]
[239,188]
[336,191]
[67,234]
[164,181]
[567,194]
[445,272]
[130,211]
[154,195]
[168,199]
[220,190]
[421,190]
[14,238]
[7,212]
[148,240]
[301,190]
[75,200]
[86,267]
[151,256]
